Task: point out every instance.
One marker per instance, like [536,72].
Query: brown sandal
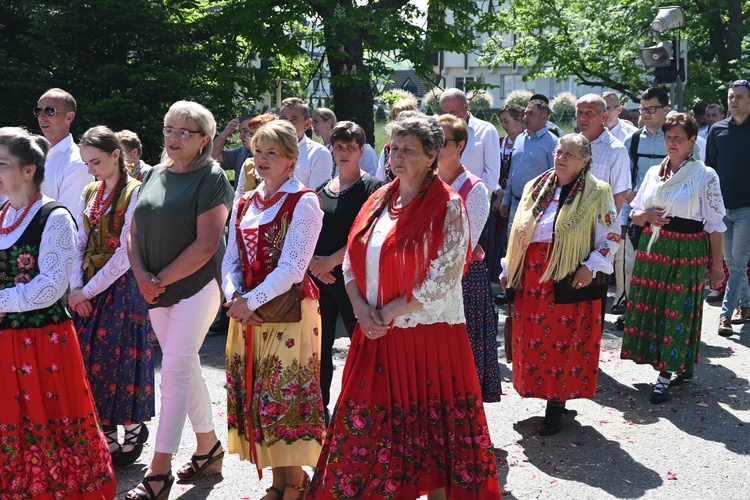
[301,488]
[211,465]
[278,492]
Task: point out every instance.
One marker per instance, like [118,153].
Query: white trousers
[181,329]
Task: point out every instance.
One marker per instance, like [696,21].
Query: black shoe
[660,394]
[620,324]
[500,299]
[617,308]
[714,299]
[681,377]
[110,432]
[553,419]
[135,437]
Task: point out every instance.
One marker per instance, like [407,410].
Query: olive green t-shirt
[167,219]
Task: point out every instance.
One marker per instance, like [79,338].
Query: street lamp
[667,57]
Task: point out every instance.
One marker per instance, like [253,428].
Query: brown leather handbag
[284,308]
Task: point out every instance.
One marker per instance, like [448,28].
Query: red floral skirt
[555,346]
[409,420]
[52,447]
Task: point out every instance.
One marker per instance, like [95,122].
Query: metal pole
[680,106]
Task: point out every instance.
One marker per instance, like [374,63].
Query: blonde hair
[205,125]
[282,136]
[403,105]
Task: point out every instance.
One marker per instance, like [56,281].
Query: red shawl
[409,247]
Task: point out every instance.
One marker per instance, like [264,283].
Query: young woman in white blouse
[478,307]
[681,207]
[111,316]
[52,445]
[275,405]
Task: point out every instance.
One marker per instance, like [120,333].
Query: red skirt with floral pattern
[555,346]
[409,420]
[52,447]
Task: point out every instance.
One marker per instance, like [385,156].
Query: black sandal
[211,465]
[135,439]
[110,432]
[681,377]
[553,419]
[147,493]
[660,393]
[278,492]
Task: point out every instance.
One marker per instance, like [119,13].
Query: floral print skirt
[51,443]
[663,319]
[117,353]
[555,346]
[481,324]
[409,420]
[285,422]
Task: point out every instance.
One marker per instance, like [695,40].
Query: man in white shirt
[315,165]
[482,154]
[65,174]
[610,160]
[618,128]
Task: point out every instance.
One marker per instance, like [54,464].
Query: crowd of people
[106,258]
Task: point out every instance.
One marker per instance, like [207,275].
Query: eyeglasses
[180,133]
[49,111]
[449,140]
[740,83]
[610,108]
[650,110]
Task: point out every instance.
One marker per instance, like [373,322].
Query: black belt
[680,225]
[517,198]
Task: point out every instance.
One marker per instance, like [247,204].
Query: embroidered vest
[102,242]
[477,252]
[269,241]
[20,264]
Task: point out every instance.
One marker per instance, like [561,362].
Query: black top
[728,151]
[340,210]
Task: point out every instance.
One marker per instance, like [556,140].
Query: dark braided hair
[104,139]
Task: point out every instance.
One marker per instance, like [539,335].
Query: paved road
[697,445]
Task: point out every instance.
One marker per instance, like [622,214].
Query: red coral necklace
[263,204]
[4,212]
[100,207]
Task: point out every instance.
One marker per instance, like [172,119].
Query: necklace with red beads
[263,204]
[99,207]
[4,212]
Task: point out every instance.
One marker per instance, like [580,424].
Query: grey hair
[204,123]
[583,145]
[597,100]
[425,128]
[454,94]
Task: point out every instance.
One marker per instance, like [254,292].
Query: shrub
[563,106]
[495,120]
[520,97]
[479,114]
[395,95]
[432,98]
[429,111]
[380,115]
[479,100]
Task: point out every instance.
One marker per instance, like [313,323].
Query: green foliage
[380,115]
[519,97]
[479,100]
[495,120]
[395,95]
[429,111]
[479,114]
[599,43]
[432,98]
[564,107]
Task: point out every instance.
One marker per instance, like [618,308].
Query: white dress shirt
[611,162]
[622,130]
[315,165]
[482,153]
[65,175]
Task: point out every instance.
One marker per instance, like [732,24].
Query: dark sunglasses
[49,111]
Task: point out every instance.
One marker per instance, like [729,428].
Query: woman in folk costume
[681,207]
[275,405]
[409,420]
[481,322]
[52,445]
[111,316]
[564,232]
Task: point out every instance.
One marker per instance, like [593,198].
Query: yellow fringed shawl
[574,228]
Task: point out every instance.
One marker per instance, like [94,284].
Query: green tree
[599,43]
[361,39]
[124,66]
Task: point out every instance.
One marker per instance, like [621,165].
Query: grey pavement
[697,445]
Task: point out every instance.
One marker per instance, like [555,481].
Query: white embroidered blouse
[477,205]
[299,245]
[693,193]
[440,294]
[117,265]
[56,254]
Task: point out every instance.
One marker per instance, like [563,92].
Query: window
[461,82]
[511,83]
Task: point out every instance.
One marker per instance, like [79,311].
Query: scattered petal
[672,476]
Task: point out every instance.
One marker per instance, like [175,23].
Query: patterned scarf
[409,247]
[574,227]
